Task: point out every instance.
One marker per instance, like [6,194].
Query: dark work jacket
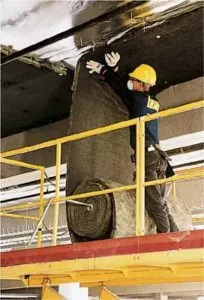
[139,104]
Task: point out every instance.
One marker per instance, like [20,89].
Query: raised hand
[112,59]
[94,66]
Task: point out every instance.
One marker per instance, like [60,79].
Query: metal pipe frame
[140,178]
[19,216]
[197,220]
[174,111]
[196,171]
[140,183]
[67,198]
[180,176]
[42,172]
[21,164]
[42,176]
[39,226]
[57,192]
[174,188]
[71,138]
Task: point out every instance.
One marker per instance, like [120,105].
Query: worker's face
[140,86]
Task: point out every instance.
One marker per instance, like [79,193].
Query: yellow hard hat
[145,73]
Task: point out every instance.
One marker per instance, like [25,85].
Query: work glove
[94,66]
[112,59]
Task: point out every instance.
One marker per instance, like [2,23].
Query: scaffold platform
[161,258]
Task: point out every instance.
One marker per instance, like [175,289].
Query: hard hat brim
[132,76]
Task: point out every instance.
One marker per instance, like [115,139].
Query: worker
[135,94]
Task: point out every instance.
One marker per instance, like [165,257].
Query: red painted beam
[122,246]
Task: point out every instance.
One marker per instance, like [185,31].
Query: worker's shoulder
[153,103]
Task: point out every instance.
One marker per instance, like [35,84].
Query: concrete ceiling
[32,97]
[173,48]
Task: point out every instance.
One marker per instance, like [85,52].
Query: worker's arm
[111,74]
[116,82]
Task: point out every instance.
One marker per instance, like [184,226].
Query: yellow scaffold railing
[140,170]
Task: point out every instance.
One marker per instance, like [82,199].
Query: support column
[140,177]
[39,238]
[56,207]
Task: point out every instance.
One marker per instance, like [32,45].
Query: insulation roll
[95,223]
[113,215]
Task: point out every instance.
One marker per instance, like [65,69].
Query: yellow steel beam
[42,176]
[146,268]
[20,164]
[19,216]
[174,188]
[176,178]
[49,293]
[140,178]
[189,170]
[138,190]
[133,186]
[140,167]
[98,193]
[105,129]
[174,111]
[22,206]
[73,197]
[198,219]
[151,279]
[57,192]
[103,268]
[181,176]
[156,276]
[174,273]
[105,294]
[71,138]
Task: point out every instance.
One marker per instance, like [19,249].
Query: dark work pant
[155,203]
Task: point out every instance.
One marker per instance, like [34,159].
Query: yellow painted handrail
[71,138]
[20,164]
[104,129]
[139,186]
[173,111]
[19,216]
